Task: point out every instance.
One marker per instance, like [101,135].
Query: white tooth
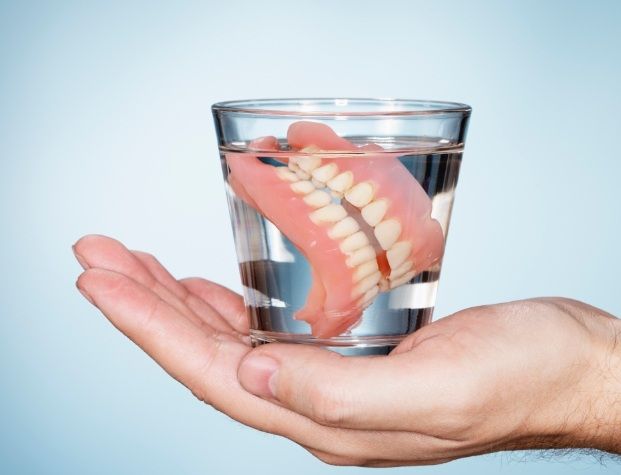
[317,199]
[302,187]
[341,182]
[398,253]
[365,269]
[367,283]
[286,174]
[326,172]
[317,184]
[359,256]
[343,228]
[387,232]
[399,271]
[403,279]
[375,211]
[310,149]
[361,194]
[353,242]
[293,164]
[328,214]
[308,164]
[368,297]
[336,195]
[302,175]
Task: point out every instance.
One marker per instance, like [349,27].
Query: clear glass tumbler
[340,211]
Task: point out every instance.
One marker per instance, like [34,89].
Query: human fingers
[404,392]
[226,302]
[196,304]
[95,251]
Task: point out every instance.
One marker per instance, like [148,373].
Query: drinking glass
[340,210]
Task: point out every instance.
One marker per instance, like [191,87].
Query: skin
[539,373]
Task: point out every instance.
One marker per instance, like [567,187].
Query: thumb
[333,390]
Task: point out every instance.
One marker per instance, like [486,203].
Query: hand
[539,373]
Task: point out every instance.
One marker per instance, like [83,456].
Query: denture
[363,222]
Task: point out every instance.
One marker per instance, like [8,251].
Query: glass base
[345,345]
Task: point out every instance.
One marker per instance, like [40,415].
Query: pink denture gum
[363,222]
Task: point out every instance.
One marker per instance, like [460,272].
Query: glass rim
[393,107]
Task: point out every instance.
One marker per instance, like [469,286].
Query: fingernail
[86,295]
[257,374]
[80,259]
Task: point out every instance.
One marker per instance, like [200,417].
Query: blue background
[105,127]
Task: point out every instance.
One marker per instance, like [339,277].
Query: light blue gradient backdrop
[105,127]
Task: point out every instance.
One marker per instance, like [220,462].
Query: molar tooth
[343,228]
[328,214]
[341,182]
[367,283]
[399,271]
[308,164]
[353,242]
[403,279]
[360,256]
[368,297]
[325,173]
[317,199]
[286,174]
[387,232]
[361,194]
[398,253]
[375,211]
[302,187]
[365,269]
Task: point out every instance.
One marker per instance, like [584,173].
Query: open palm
[489,378]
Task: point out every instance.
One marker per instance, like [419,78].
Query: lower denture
[378,238]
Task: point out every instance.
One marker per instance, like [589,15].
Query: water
[277,277]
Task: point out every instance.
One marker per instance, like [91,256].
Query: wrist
[604,426]
[583,407]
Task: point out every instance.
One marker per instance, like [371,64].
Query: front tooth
[308,164]
[360,256]
[399,271]
[367,283]
[328,214]
[402,280]
[387,232]
[341,182]
[325,173]
[365,269]
[353,242]
[310,149]
[398,253]
[375,211]
[343,228]
[302,175]
[317,199]
[361,194]
[368,296]
[302,187]
[286,174]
